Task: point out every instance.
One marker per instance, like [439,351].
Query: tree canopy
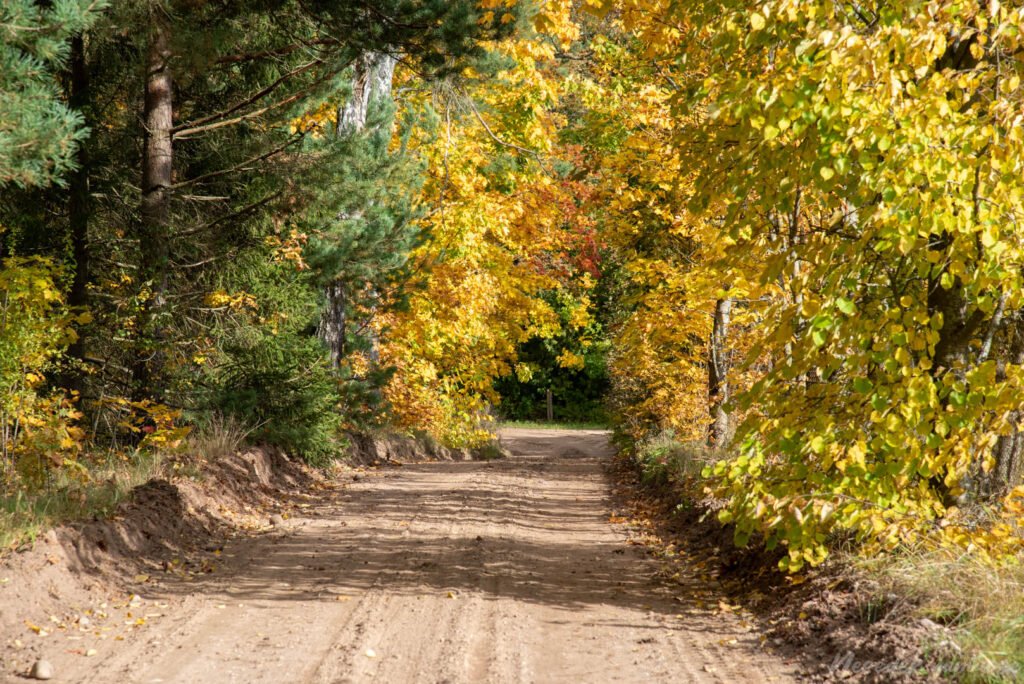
[785,232]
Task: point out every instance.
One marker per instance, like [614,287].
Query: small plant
[663,458]
[282,385]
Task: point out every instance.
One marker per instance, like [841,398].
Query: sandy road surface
[501,571]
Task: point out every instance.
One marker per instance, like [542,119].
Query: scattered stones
[42,669]
[84,622]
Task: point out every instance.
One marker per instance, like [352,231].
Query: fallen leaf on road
[36,628]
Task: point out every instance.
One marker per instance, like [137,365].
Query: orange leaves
[290,248]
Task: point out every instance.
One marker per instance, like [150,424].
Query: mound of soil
[393,448]
[165,532]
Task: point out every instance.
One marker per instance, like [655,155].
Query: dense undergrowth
[978,602]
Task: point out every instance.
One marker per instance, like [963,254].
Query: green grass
[108,480]
[555,425]
[25,515]
[981,603]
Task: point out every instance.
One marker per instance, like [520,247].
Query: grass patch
[108,480]
[26,515]
[555,425]
[665,459]
[982,603]
[490,451]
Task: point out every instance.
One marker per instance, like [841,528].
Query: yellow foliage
[476,278]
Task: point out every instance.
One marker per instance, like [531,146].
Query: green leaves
[39,133]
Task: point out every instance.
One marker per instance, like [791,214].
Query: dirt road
[500,571]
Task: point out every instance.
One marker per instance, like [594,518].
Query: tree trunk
[154,237]
[79,208]
[332,321]
[371,80]
[1009,449]
[720,433]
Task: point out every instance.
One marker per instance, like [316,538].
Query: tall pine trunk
[371,80]
[154,236]
[720,432]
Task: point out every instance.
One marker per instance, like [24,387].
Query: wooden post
[551,408]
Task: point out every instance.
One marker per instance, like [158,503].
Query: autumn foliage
[787,231]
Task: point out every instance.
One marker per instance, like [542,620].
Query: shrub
[37,430]
[282,385]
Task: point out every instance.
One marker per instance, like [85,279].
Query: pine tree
[198,195]
[39,134]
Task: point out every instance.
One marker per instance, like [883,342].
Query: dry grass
[24,515]
[217,440]
[983,605]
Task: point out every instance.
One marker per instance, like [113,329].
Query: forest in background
[774,244]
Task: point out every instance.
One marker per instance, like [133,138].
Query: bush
[38,434]
[282,385]
[663,458]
